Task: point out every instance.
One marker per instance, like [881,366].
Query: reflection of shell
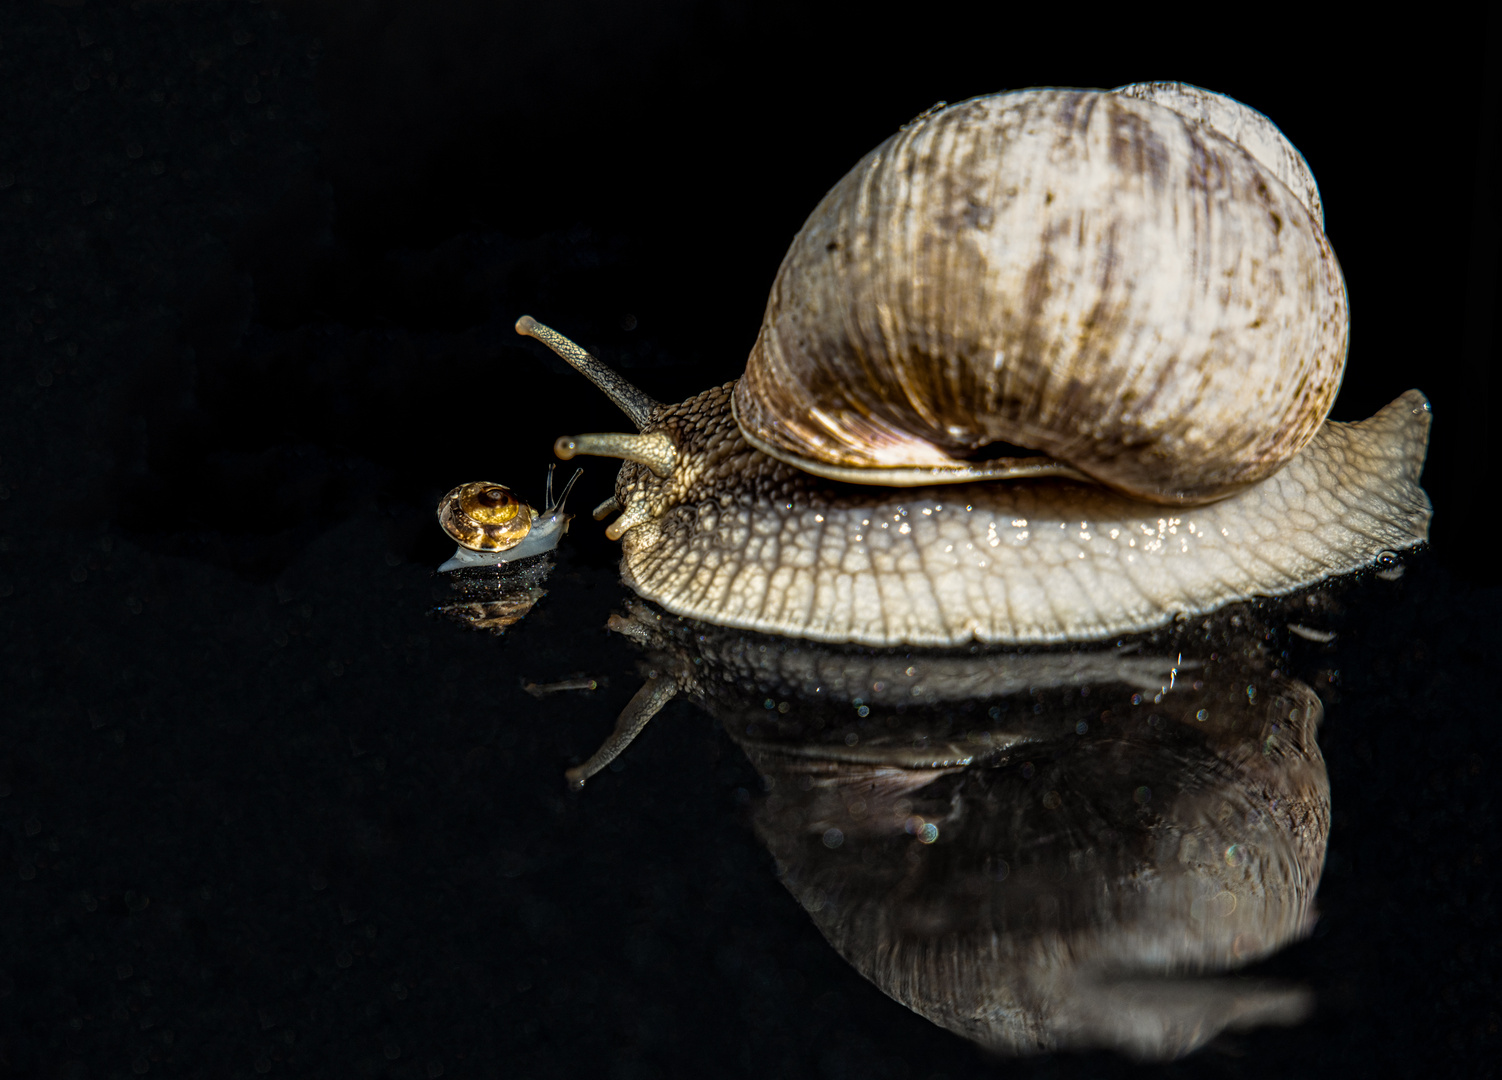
[1087,274]
[1081,890]
[496,597]
[485,517]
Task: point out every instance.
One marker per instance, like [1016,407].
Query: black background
[261,265]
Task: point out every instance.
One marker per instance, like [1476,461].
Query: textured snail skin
[739,539]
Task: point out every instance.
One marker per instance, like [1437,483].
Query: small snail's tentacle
[551,504]
[656,450]
[647,703]
[636,514]
[641,408]
[606,508]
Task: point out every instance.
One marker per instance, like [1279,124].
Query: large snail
[1128,293]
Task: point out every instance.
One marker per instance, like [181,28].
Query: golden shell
[485,517]
[1090,275]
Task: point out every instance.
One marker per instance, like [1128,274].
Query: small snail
[1108,323]
[491,525]
[505,552]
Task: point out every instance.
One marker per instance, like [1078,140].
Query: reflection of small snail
[491,525]
[1125,299]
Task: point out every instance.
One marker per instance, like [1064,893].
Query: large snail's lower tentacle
[606,508]
[647,703]
[656,450]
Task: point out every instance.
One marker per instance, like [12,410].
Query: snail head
[661,473]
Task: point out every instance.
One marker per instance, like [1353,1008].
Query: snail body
[740,539]
[1045,366]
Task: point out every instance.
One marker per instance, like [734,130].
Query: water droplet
[1142,795]
[1052,801]
[1202,715]
[833,838]
[852,738]
[1081,728]
[928,833]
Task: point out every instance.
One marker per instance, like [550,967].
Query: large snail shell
[1088,274]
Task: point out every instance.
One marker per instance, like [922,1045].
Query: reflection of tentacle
[647,703]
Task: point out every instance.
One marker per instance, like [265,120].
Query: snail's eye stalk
[638,406]
[656,450]
[551,504]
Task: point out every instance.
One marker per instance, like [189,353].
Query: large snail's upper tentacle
[739,539]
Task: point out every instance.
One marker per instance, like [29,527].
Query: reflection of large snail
[1035,850]
[1111,320]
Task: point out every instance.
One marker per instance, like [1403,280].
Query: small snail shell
[485,517]
[1090,275]
[1108,279]
[491,525]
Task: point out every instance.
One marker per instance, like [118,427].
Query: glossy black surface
[263,815]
